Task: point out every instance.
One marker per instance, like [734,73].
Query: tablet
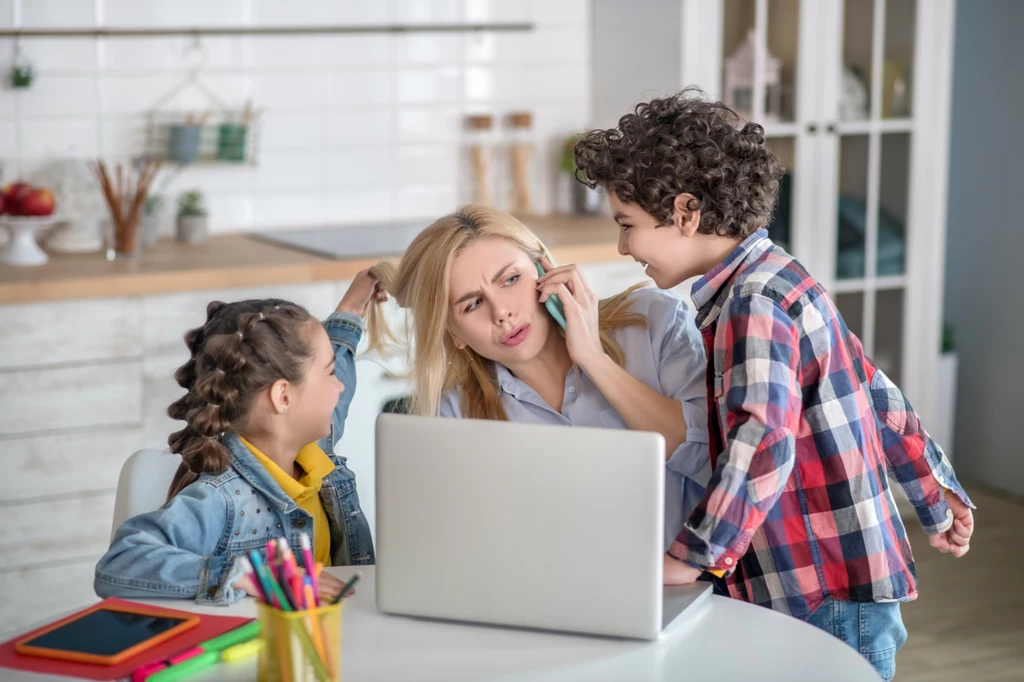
[106,634]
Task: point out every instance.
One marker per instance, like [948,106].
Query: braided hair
[241,350]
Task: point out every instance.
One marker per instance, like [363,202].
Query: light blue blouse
[668,356]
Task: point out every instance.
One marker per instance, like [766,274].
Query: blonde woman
[485,347]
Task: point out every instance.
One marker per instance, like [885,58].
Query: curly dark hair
[243,348]
[686,144]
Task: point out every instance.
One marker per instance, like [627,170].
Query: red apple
[38,202]
[13,194]
[1,203]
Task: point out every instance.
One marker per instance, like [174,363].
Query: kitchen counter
[238,260]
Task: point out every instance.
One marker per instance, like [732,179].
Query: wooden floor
[968,622]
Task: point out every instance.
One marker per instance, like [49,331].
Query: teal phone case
[553,304]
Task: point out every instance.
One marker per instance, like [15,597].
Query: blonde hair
[420,284]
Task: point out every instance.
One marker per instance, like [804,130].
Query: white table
[721,639]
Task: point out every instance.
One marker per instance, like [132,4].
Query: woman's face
[494,305]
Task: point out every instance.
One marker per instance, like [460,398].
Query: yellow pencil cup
[300,646]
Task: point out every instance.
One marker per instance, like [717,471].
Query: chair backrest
[143,484]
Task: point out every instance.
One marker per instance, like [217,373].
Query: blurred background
[298,140]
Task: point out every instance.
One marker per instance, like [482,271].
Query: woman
[486,347]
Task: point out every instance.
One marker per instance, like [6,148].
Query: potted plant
[582,199]
[192,218]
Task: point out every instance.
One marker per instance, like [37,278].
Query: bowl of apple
[24,210]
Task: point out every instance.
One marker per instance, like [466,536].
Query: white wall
[636,54]
[984,300]
[355,128]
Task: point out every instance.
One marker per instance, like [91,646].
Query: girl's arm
[345,329]
[173,552]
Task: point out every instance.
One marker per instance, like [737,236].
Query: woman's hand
[365,288]
[582,333]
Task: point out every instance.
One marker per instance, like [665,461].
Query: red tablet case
[208,628]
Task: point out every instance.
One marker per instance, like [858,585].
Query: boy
[798,515]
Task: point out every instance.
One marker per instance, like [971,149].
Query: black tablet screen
[104,632]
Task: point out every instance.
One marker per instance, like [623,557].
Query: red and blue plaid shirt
[799,507]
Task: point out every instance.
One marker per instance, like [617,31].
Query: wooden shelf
[236,260]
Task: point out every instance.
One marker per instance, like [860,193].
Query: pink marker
[307,558]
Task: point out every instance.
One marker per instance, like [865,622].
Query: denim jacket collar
[249,468]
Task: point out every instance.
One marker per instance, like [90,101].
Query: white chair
[142,485]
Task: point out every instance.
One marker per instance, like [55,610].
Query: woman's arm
[641,407]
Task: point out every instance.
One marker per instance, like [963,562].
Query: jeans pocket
[882,634]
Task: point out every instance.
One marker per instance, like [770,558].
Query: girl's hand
[330,587]
[365,288]
[582,335]
[246,585]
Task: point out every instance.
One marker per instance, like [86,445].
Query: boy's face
[671,253]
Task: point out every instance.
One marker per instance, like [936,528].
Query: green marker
[240,634]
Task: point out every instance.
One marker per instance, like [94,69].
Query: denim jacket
[190,547]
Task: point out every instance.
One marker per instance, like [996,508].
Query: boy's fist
[956,540]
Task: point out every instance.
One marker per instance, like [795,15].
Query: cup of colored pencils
[301,634]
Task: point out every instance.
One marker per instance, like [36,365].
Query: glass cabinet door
[875,125]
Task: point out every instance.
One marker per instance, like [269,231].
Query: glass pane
[889,333]
[851,307]
[897,67]
[854,95]
[892,204]
[783,52]
[738,56]
[853,213]
[780,227]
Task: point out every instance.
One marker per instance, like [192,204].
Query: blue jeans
[874,629]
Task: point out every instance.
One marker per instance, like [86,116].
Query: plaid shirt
[799,508]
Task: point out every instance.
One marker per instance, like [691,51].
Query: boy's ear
[685,218]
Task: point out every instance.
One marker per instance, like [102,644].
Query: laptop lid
[518,524]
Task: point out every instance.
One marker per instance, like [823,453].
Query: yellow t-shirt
[305,491]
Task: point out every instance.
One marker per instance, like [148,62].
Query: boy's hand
[956,540]
[678,572]
[365,288]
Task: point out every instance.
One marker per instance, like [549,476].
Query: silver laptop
[527,525]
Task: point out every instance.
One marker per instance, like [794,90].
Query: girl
[267,392]
[486,348]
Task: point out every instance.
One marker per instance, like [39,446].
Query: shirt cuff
[217,577]
[695,551]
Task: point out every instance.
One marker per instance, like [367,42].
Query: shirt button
[572,389]
[949,513]
[728,561]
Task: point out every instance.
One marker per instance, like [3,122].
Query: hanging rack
[19,33]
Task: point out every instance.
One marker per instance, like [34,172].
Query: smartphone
[553,304]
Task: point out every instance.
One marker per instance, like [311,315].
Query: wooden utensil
[127,198]
[521,151]
[479,124]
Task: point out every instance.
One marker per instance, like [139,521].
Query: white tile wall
[354,128]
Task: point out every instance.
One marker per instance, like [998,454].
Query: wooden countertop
[237,260]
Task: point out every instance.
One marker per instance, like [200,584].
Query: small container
[231,141]
[300,646]
[183,145]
